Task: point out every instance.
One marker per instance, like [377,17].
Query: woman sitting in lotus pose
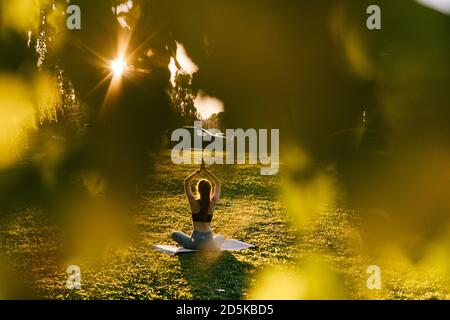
[202,208]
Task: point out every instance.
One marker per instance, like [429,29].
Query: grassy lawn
[249,210]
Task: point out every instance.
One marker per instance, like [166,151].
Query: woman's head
[204,190]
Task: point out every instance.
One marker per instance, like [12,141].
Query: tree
[183,97]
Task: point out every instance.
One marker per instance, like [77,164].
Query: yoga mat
[228,245]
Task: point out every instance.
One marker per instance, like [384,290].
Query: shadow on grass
[215,275]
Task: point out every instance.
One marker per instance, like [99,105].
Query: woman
[202,208]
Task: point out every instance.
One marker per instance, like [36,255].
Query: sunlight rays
[118,66]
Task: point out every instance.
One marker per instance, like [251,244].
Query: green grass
[33,245]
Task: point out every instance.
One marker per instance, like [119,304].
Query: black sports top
[202,215]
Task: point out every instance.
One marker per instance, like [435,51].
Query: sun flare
[118,66]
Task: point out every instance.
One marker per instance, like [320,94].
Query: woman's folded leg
[181,238]
[198,240]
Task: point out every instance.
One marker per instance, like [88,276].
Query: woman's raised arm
[215,197]
[187,186]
